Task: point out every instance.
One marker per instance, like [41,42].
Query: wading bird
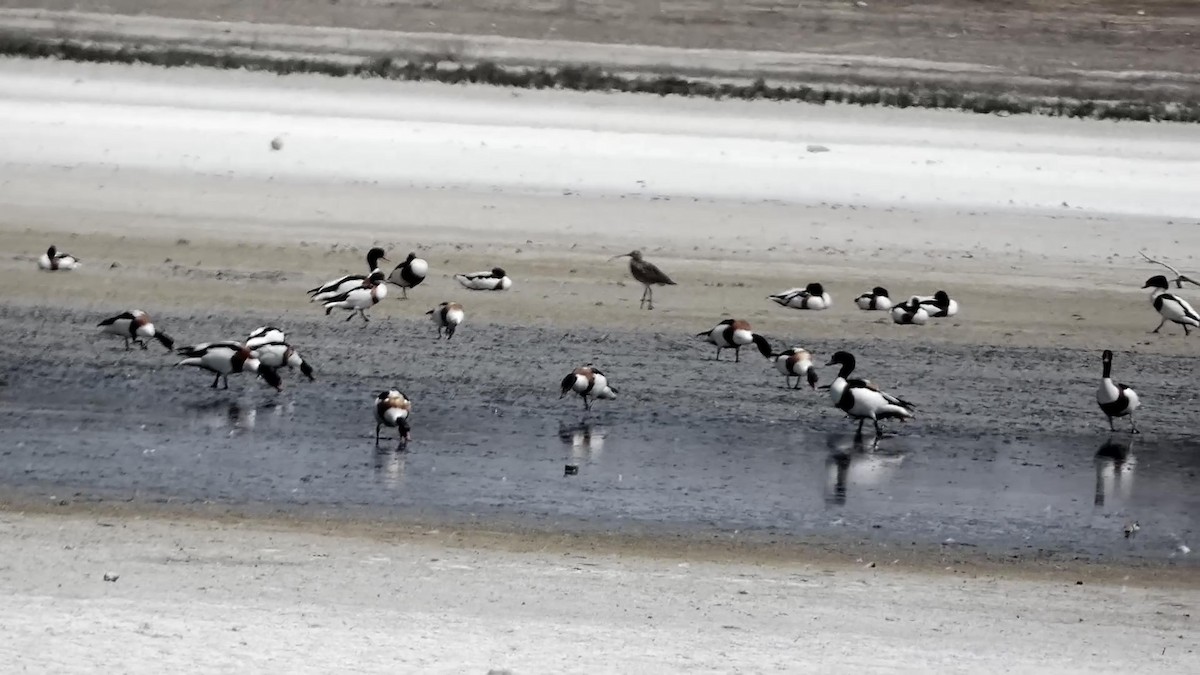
[812,296]
[391,410]
[409,274]
[647,274]
[1171,307]
[54,260]
[862,399]
[135,326]
[360,299]
[495,280]
[447,316]
[797,363]
[225,358]
[341,285]
[1116,400]
[269,345]
[911,312]
[877,299]
[939,305]
[590,384]
[735,334]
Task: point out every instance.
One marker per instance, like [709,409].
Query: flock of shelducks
[266,350]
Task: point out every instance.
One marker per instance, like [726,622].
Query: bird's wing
[111,320]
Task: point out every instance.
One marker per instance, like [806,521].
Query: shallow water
[1024,497]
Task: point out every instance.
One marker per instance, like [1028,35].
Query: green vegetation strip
[591,78]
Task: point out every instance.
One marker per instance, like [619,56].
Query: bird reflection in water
[853,460]
[389,467]
[239,416]
[1114,470]
[585,438]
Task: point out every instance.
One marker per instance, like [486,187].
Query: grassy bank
[443,68]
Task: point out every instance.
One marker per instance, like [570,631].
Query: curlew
[646,273]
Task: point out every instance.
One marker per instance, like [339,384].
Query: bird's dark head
[271,377]
[879,292]
[375,255]
[942,298]
[498,272]
[1157,281]
[411,257]
[52,251]
[815,289]
[1106,357]
[841,359]
[307,370]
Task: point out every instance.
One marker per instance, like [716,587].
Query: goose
[224,358]
[735,334]
[360,299]
[589,383]
[409,274]
[54,260]
[812,296]
[939,305]
[135,326]
[341,285]
[876,300]
[1171,307]
[447,316]
[1116,400]
[647,274]
[911,312]
[797,363]
[279,354]
[264,335]
[495,280]
[391,410]
[862,399]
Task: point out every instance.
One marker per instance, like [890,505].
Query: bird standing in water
[648,274]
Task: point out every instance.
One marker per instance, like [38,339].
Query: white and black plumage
[391,410]
[589,383]
[359,300]
[409,274]
[647,274]
[331,289]
[54,260]
[447,316]
[862,399]
[876,300]
[225,358]
[494,280]
[1171,307]
[1116,400]
[939,305]
[911,312]
[797,363]
[812,296]
[735,334]
[265,335]
[135,326]
[277,355]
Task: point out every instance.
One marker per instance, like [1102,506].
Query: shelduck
[54,260]
[392,409]
[911,312]
[225,358]
[495,280]
[735,334]
[409,274]
[1171,307]
[276,355]
[332,289]
[589,383]
[939,305]
[1116,400]
[359,300]
[862,399]
[135,326]
[876,300]
[812,296]
[447,316]
[797,363]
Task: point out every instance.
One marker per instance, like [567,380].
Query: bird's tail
[190,362]
[893,411]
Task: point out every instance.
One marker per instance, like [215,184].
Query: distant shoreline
[533,64]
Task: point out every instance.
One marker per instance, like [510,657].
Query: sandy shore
[208,597]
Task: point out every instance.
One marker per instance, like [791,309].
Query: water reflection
[855,461]
[389,467]
[239,416]
[585,438]
[1114,470]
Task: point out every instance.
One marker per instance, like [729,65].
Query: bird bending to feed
[812,296]
[391,410]
[341,285]
[735,334]
[911,312]
[269,345]
[647,274]
[939,305]
[862,399]
[495,280]
[135,326]
[360,299]
[54,260]
[797,363]
[590,384]
[264,335]
[1171,307]
[447,316]
[1116,400]
[1179,276]
[409,274]
[876,300]
[224,358]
